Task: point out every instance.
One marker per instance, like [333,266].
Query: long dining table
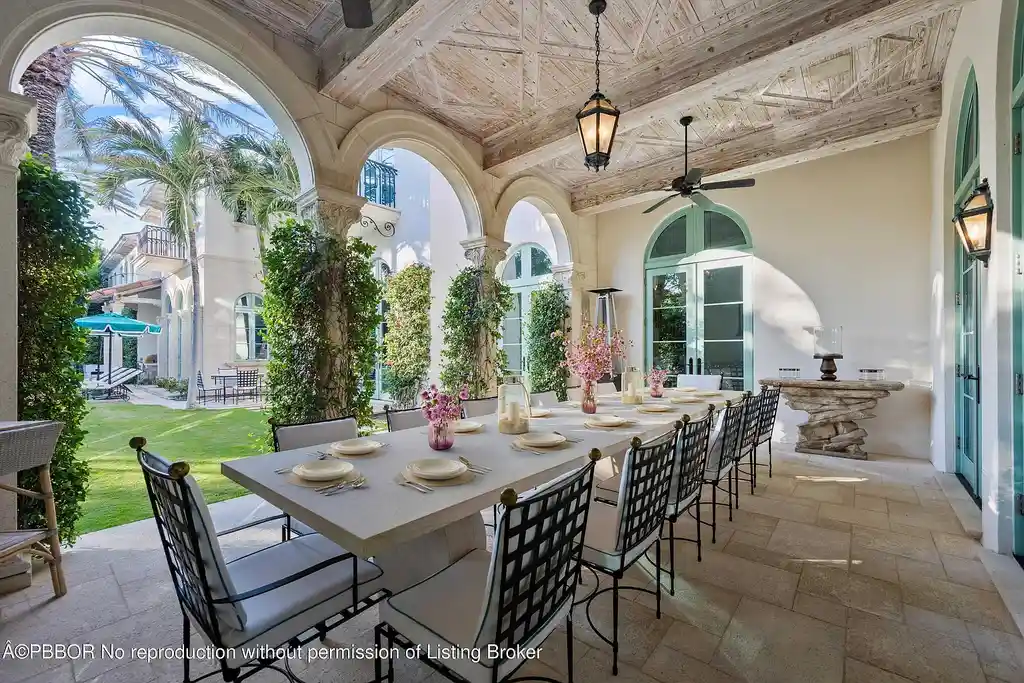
[412,535]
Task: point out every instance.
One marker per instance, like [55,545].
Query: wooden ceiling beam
[357,62]
[734,56]
[883,118]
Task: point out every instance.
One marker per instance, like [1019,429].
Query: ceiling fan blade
[658,204]
[692,176]
[728,184]
[357,13]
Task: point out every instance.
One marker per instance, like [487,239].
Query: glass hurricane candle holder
[828,347]
[632,387]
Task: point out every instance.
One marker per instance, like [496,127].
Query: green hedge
[545,353]
[54,254]
[407,344]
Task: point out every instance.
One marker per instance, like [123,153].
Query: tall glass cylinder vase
[440,436]
[589,402]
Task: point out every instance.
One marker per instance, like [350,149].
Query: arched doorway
[698,314]
[1018,293]
[381,271]
[527,268]
[967,370]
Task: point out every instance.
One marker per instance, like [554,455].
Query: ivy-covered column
[335,212]
[574,280]
[485,253]
[17,123]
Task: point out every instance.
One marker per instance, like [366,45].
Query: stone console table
[833,409]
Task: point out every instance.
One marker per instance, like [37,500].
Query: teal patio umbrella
[109,324]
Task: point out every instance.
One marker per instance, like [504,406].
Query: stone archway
[553,205]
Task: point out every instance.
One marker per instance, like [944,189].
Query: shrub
[549,307]
[54,253]
[407,344]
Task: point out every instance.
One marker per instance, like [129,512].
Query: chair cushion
[705,382]
[444,610]
[283,613]
[316,433]
[600,545]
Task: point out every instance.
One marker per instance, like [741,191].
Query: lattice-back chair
[287,594]
[687,483]
[288,436]
[205,393]
[748,443]
[247,385]
[404,419]
[722,458]
[28,446]
[766,421]
[619,534]
[512,599]
[480,407]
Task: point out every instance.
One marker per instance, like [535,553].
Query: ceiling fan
[690,182]
[357,13]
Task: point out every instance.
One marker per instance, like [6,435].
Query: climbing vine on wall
[305,269]
[545,353]
[471,325]
[407,344]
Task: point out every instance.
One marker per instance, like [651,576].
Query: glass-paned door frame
[694,266]
[1018,287]
[522,289]
[967,360]
[381,270]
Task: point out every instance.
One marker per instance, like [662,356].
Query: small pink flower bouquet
[656,382]
[441,410]
[590,358]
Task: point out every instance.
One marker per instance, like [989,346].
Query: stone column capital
[17,124]
[336,210]
[569,275]
[485,251]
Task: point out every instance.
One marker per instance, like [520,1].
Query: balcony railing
[115,278]
[157,241]
[377,183]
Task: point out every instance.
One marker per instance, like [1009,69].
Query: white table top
[371,519]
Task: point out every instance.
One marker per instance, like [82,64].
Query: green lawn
[203,438]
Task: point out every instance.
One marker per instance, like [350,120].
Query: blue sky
[112,224]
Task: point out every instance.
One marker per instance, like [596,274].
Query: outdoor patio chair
[606,388]
[115,387]
[620,533]
[702,382]
[722,457]
[281,596]
[205,393]
[404,419]
[247,386]
[546,399]
[687,479]
[748,443]
[480,407]
[513,598]
[26,446]
[766,422]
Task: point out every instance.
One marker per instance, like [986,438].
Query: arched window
[250,330]
[698,312]
[525,270]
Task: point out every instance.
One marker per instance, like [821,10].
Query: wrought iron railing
[115,278]
[157,241]
[377,183]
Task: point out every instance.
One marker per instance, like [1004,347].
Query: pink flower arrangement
[441,407]
[657,377]
[590,356]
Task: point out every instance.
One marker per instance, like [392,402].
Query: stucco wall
[839,241]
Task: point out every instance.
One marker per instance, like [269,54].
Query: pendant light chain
[597,52]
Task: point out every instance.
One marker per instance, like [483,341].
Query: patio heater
[604,314]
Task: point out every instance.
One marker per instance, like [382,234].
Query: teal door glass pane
[672,240]
[722,323]
[722,232]
[540,262]
[723,285]
[512,334]
[725,358]
[669,291]
[967,372]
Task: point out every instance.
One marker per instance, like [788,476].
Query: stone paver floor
[834,572]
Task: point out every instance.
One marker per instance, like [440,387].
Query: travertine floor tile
[895,544]
[764,556]
[873,563]
[968,572]
[871,503]
[747,538]
[915,569]
[855,516]
[769,644]
[692,641]
[859,672]
[808,542]
[670,666]
[794,511]
[640,630]
[1001,654]
[853,590]
[698,603]
[915,515]
[902,494]
[951,627]
[956,600]
[753,579]
[840,494]
[820,608]
[917,654]
[956,545]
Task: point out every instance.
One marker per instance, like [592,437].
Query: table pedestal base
[409,563]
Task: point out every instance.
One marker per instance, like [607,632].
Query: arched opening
[698,308]
[967,349]
[250,329]
[1018,294]
[382,271]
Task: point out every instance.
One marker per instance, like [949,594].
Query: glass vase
[440,437]
[589,402]
[657,389]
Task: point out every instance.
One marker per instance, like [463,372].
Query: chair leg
[376,660]
[736,485]
[672,553]
[185,637]
[728,479]
[699,558]
[568,647]
[56,568]
[657,590]
[714,511]
[769,458]
[615,625]
[753,469]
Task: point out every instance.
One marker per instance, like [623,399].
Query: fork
[522,449]
[416,487]
[479,469]
[570,439]
[357,484]
[340,484]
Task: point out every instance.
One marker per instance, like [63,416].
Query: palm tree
[259,177]
[184,165]
[133,72]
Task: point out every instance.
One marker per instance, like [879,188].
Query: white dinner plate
[466,426]
[541,439]
[708,393]
[685,399]
[322,470]
[686,389]
[437,468]
[653,408]
[606,421]
[539,412]
[355,446]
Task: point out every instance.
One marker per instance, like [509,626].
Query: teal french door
[699,319]
[967,387]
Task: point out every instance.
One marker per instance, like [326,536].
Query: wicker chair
[26,446]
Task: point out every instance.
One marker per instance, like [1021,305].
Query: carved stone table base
[833,410]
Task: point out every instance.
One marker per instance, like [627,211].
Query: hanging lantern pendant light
[598,118]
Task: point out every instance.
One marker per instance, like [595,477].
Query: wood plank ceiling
[514,66]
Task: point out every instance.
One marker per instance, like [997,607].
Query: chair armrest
[286,580]
[250,524]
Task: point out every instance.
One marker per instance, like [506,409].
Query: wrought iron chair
[704,382]
[302,435]
[404,419]
[722,458]
[27,446]
[204,393]
[621,533]
[480,407]
[766,422]
[509,600]
[247,385]
[285,595]
[748,444]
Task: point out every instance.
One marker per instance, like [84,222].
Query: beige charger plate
[306,483]
[463,478]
